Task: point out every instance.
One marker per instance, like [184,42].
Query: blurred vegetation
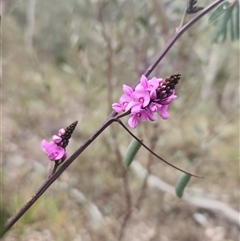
[67,60]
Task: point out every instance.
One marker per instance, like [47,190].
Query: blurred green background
[67,60]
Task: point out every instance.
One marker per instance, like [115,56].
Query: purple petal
[127,90]
[59,152]
[169,99]
[143,115]
[61,132]
[132,104]
[53,151]
[117,107]
[146,100]
[125,99]
[44,145]
[153,94]
[153,107]
[150,115]
[142,97]
[133,121]
[163,112]
[160,80]
[56,139]
[136,107]
[153,83]
[139,87]
[144,82]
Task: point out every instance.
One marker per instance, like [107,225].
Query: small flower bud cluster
[55,149]
[149,96]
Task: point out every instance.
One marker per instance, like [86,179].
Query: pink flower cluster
[53,149]
[149,97]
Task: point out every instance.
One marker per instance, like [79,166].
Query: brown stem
[183,16]
[48,182]
[54,169]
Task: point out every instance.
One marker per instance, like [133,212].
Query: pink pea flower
[125,101]
[61,132]
[56,139]
[169,99]
[142,97]
[127,90]
[149,97]
[150,115]
[150,85]
[160,109]
[53,151]
[136,117]
[123,105]
[163,112]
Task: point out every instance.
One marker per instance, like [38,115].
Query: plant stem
[183,16]
[108,121]
[175,37]
[53,177]
[153,153]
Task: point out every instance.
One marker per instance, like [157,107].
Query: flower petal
[169,99]
[142,97]
[143,115]
[59,151]
[136,107]
[146,100]
[144,82]
[125,99]
[117,107]
[163,112]
[44,145]
[53,151]
[133,121]
[153,83]
[56,139]
[150,115]
[61,132]
[139,87]
[127,90]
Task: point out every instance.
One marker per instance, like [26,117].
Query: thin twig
[174,39]
[48,182]
[183,16]
[153,153]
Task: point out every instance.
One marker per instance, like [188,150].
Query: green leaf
[131,152]
[219,11]
[181,184]
[221,27]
